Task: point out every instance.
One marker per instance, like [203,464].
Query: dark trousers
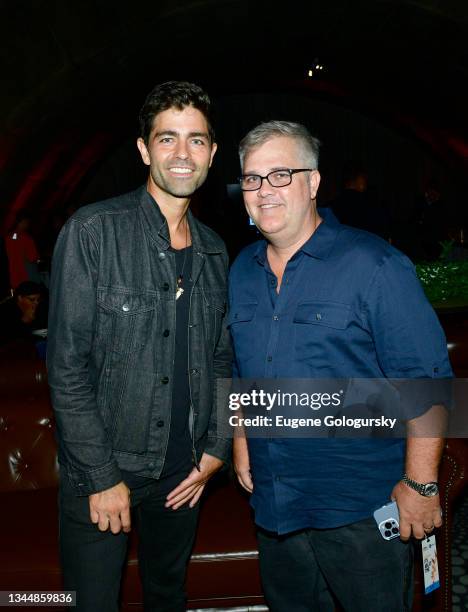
[92,560]
[363,571]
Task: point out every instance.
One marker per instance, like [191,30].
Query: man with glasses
[320,300]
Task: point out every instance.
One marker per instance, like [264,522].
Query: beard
[179,187]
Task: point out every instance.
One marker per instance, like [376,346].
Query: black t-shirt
[179,449]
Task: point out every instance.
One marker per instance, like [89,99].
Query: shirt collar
[319,244]
[202,239]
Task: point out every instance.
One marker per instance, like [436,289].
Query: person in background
[21,251]
[354,207]
[431,221]
[21,314]
[5,286]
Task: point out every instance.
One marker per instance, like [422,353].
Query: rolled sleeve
[408,337]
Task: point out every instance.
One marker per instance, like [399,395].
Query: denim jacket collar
[155,225]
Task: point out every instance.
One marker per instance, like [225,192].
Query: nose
[265,188]
[182,150]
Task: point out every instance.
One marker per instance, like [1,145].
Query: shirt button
[269,358]
[166,332]
[275,318]
[318,316]
[165,380]
[277,478]
[166,286]
[273,282]
[160,423]
[125,307]
[162,255]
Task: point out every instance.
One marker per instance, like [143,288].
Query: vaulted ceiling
[74,72]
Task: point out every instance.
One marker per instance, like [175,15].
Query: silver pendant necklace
[180,278]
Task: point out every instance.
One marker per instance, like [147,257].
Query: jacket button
[166,332]
[125,307]
[166,287]
[165,380]
[160,423]
[162,255]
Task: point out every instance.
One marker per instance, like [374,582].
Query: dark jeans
[363,571]
[92,560]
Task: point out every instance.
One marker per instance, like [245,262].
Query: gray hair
[271,129]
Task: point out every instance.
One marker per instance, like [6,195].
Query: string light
[316,67]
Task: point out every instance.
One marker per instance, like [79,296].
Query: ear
[143,151]
[314,182]
[214,148]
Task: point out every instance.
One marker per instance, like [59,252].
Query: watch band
[428,489]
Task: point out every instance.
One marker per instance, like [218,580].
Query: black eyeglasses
[276,178]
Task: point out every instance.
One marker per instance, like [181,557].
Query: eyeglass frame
[290,171]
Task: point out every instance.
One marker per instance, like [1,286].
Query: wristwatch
[429,489]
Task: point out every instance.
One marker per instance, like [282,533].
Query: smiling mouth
[181,171]
[268,206]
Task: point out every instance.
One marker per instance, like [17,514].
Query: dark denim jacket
[110,365]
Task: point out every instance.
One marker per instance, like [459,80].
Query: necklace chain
[180,278]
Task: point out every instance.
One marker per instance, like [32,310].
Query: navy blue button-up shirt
[350,305]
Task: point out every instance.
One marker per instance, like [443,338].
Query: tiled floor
[460,557]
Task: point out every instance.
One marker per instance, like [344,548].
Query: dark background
[392,95]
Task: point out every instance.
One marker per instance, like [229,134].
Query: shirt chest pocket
[126,320]
[320,332]
[323,314]
[241,322]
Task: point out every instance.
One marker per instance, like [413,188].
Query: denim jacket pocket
[125,317]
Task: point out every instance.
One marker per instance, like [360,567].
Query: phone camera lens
[388,533]
[395,530]
[388,525]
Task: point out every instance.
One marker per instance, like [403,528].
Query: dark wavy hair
[178,94]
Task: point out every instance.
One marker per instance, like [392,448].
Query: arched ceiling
[76,71]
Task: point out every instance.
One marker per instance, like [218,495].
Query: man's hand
[241,462]
[111,508]
[192,487]
[418,514]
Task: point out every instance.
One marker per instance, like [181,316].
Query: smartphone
[388,521]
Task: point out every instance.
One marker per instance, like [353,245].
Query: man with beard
[136,341]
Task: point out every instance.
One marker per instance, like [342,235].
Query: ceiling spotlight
[311,73]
